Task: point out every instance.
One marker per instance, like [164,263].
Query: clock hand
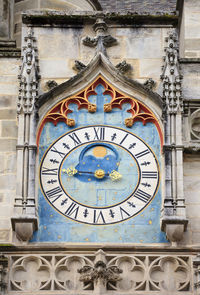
[99,173]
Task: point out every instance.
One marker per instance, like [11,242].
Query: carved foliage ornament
[138,111]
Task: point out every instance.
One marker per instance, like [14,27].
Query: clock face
[99,175]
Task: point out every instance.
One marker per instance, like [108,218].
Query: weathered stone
[150,68]
[48,68]
[7,113]
[7,145]
[10,163]
[11,89]
[9,129]
[4,235]
[8,181]
[7,101]
[9,67]
[59,46]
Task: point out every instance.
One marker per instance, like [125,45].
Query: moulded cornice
[62,18]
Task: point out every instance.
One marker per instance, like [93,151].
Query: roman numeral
[149,174]
[72,209]
[99,133]
[56,151]
[46,171]
[143,153]
[55,192]
[124,213]
[124,138]
[142,196]
[98,216]
[75,138]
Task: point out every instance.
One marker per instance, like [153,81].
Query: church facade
[99,147]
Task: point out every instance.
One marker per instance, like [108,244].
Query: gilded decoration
[138,111]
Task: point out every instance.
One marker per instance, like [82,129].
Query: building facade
[100,142]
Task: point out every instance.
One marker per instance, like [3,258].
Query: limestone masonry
[99,147]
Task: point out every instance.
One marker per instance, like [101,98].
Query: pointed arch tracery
[138,111]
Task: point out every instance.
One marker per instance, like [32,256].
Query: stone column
[25,220]
[173,219]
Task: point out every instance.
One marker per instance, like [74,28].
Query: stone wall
[191,192]
[9,68]
[142,48]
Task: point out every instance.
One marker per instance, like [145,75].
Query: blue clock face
[99,175]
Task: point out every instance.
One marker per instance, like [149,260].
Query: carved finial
[29,75]
[171,76]
[100,26]
[101,41]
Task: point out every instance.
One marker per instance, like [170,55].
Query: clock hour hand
[99,173]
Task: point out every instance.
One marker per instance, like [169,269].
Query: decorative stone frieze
[101,273]
[24,221]
[174,221]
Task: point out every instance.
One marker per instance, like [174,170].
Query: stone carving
[51,84]
[171,77]
[174,221]
[31,273]
[79,66]
[149,84]
[67,273]
[138,111]
[3,272]
[123,67]
[101,41]
[101,273]
[195,124]
[133,273]
[24,221]
[29,75]
[169,274]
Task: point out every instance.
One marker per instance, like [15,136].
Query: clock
[99,175]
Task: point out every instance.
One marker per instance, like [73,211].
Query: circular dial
[99,175]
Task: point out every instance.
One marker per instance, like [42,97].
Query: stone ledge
[8,49]
[10,52]
[192,149]
[189,60]
[174,227]
[62,18]
[173,220]
[24,226]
